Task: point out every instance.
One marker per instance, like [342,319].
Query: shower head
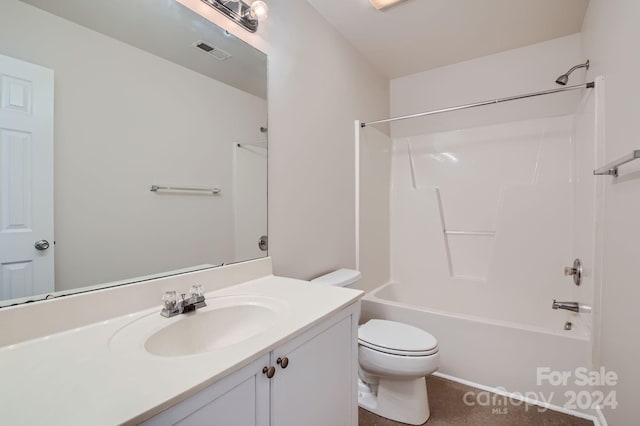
[564,78]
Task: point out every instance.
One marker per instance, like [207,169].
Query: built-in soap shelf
[468,261]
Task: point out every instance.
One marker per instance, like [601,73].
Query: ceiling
[168,29]
[418,35]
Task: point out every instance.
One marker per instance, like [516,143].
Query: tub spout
[567,306]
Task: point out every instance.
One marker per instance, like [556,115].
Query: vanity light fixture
[384,4]
[243,14]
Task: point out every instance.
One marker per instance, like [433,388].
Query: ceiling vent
[210,49]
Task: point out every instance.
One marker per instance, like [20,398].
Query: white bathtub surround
[126,383]
[497,354]
[482,220]
[489,205]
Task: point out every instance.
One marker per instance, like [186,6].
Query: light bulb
[259,10]
[383,4]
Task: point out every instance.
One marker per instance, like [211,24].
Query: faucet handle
[196,290]
[169,299]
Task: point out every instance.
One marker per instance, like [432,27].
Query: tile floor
[448,408]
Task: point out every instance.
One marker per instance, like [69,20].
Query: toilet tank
[340,278]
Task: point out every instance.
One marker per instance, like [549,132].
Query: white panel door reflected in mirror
[26,176]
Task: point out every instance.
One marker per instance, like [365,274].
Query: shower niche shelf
[468,252]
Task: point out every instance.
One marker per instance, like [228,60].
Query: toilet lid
[396,338]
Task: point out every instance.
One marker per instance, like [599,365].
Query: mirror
[101,102]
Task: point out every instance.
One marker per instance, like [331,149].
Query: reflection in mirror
[100,101]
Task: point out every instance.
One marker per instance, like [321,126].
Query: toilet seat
[396,338]
[397,351]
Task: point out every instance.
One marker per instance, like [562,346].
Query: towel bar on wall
[612,168]
[473,233]
[212,191]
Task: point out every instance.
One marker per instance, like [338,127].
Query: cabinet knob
[283,362]
[269,371]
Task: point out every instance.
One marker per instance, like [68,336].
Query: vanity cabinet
[313,379]
[241,399]
[317,386]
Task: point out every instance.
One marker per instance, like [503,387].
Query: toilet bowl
[394,359]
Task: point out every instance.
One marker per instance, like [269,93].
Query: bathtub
[489,353]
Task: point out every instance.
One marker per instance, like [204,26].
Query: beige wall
[611,40]
[513,72]
[374,215]
[318,86]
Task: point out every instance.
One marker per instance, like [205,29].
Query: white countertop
[76,378]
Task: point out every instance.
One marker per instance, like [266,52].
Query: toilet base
[404,401]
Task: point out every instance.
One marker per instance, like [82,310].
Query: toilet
[394,359]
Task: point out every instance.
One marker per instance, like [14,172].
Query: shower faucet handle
[568,271]
[575,270]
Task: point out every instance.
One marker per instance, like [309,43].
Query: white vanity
[265,351]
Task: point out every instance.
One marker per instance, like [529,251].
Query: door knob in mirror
[41,245]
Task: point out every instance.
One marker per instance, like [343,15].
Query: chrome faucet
[567,306]
[172,305]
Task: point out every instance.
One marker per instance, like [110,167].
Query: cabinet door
[317,388]
[241,399]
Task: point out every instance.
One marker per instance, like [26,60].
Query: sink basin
[207,331]
[226,321]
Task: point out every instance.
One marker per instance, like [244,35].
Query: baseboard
[598,419]
[601,418]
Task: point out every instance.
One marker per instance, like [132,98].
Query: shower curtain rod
[589,85]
